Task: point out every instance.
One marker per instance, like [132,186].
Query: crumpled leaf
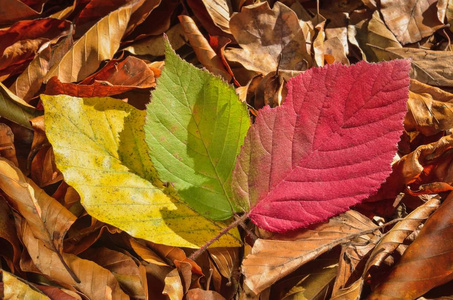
[15,109]
[99,43]
[114,78]
[268,38]
[20,42]
[430,109]
[272,259]
[99,147]
[413,20]
[428,66]
[426,263]
[17,288]
[205,54]
[328,147]
[95,281]
[195,127]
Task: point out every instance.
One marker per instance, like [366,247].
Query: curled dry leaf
[123,267]
[41,159]
[413,20]
[428,66]
[95,281]
[220,12]
[400,232]
[29,82]
[99,43]
[430,109]
[178,281]
[114,78]
[207,57]
[155,46]
[21,42]
[269,38]
[7,148]
[10,249]
[427,262]
[272,259]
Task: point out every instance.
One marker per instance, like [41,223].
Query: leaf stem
[238,221]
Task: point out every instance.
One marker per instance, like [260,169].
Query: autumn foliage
[232,149]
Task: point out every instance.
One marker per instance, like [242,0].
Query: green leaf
[99,147]
[195,127]
[15,109]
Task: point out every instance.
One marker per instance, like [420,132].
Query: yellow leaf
[99,147]
[16,288]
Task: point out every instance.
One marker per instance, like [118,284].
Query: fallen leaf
[400,232]
[195,127]
[21,42]
[268,38]
[99,147]
[16,10]
[272,259]
[7,148]
[220,12]
[199,294]
[207,57]
[15,109]
[427,66]
[95,281]
[122,266]
[155,46]
[426,263]
[312,281]
[10,246]
[321,126]
[29,82]
[17,288]
[369,33]
[114,78]
[413,20]
[99,43]
[430,109]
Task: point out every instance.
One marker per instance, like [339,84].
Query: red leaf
[328,147]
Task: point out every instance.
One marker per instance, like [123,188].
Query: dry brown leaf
[413,20]
[95,281]
[46,217]
[272,259]
[427,262]
[7,148]
[99,43]
[17,288]
[29,82]
[146,253]
[318,43]
[207,57]
[449,14]
[269,38]
[154,46]
[177,282]
[10,248]
[220,12]
[199,294]
[430,109]
[352,292]
[42,162]
[352,261]
[366,33]
[226,260]
[400,232]
[16,10]
[123,267]
[430,67]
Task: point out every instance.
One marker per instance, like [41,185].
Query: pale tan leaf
[207,57]
[430,109]
[199,294]
[352,292]
[275,258]
[99,43]
[95,281]
[269,38]
[400,232]
[428,66]
[226,259]
[16,288]
[155,46]
[220,12]
[412,20]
